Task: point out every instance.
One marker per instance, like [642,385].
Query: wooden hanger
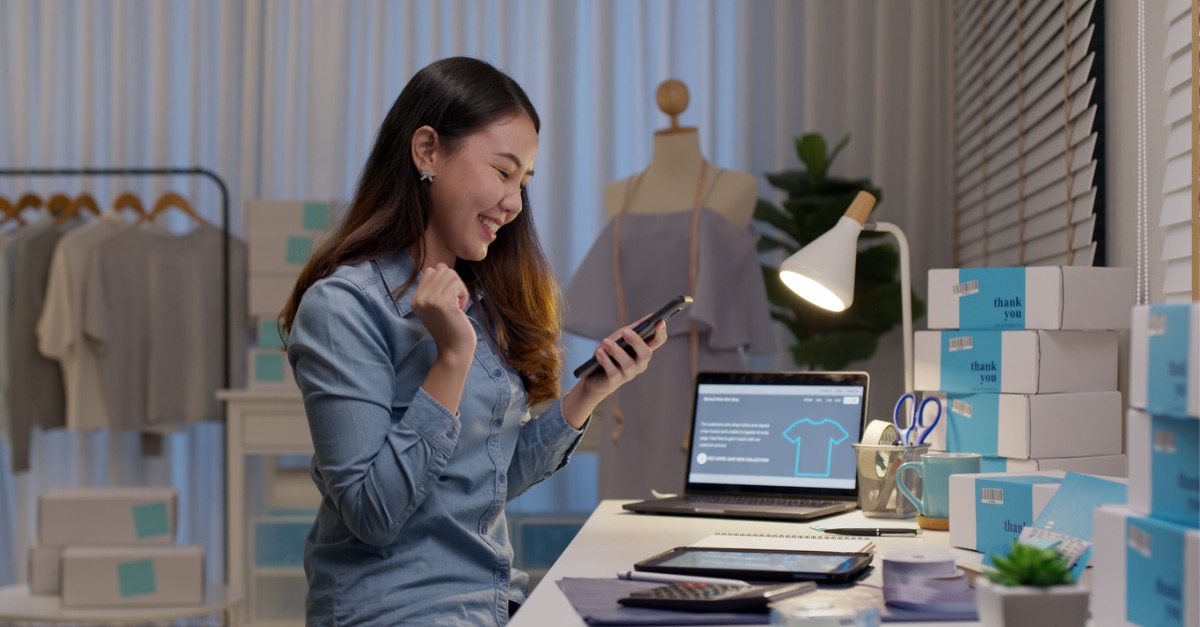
[129,200]
[57,204]
[168,200]
[10,212]
[28,201]
[82,201]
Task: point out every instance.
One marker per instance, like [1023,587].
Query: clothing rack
[197,171]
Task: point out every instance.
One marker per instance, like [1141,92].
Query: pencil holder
[878,464]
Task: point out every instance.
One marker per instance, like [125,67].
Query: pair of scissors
[916,425]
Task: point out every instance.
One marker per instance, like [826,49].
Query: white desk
[613,539]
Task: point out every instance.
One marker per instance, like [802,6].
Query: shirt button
[483,529]
[496,372]
[501,479]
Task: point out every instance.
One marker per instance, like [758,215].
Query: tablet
[758,564]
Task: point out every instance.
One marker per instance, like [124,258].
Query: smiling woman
[420,333]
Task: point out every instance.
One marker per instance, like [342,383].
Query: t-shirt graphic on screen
[814,440]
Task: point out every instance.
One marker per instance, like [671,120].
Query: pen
[882,531]
[637,575]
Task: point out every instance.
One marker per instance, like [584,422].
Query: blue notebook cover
[1070,510]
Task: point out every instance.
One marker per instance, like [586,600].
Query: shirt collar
[395,268]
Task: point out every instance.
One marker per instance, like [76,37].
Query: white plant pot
[1026,606]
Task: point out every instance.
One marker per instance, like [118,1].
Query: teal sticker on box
[1175,485]
[972,423]
[299,249]
[136,578]
[994,300]
[1167,359]
[971,361]
[1003,507]
[316,216]
[269,334]
[1154,574]
[150,520]
[268,367]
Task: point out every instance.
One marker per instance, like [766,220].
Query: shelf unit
[268,422]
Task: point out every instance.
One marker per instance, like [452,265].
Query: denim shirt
[411,528]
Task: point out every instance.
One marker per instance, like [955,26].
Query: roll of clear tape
[918,579]
[883,433]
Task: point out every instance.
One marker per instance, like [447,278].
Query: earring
[427,175]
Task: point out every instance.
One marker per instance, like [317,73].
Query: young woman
[421,333]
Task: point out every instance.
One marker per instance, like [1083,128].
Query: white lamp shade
[823,272]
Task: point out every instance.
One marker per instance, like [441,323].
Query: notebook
[787,542]
[771,446]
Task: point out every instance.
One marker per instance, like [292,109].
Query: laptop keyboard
[758,501]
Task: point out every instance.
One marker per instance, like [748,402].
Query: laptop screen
[777,432]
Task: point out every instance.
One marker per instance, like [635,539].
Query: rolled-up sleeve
[377,462]
[543,447]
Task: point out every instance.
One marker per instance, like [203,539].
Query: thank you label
[997,303]
[1167,351]
[1175,487]
[970,361]
[973,423]
[1154,577]
[1003,507]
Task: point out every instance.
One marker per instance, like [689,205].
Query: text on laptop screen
[776,435]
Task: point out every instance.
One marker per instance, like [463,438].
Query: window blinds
[1179,206]
[1026,132]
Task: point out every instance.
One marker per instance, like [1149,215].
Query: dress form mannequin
[668,184]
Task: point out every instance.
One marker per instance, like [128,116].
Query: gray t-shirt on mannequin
[153,311]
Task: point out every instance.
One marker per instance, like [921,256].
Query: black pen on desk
[866,531]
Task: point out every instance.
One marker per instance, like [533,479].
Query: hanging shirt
[60,327]
[154,313]
[411,528]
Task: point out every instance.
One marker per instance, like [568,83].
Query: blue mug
[935,470]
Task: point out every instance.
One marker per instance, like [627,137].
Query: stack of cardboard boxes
[281,236]
[1025,363]
[114,548]
[1147,554]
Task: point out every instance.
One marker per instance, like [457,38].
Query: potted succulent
[1031,586]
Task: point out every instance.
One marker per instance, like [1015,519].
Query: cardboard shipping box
[1103,465]
[1145,571]
[107,516]
[988,510]
[282,234]
[1164,360]
[1051,298]
[1015,362]
[1029,426]
[1164,467]
[45,569]
[269,367]
[132,576]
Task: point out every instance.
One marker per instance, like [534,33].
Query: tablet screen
[817,563]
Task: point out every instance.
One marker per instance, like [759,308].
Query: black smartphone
[758,564]
[644,330]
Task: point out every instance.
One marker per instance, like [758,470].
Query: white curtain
[282,98]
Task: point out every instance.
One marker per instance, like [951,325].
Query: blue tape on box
[1167,359]
[316,216]
[998,303]
[268,367]
[1003,507]
[971,361]
[151,519]
[1154,559]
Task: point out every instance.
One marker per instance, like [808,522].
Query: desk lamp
[823,272]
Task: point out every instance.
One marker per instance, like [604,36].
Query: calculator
[715,597]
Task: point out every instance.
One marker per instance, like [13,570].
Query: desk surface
[613,539]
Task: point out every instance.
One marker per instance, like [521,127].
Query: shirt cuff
[436,424]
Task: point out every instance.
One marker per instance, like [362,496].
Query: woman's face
[477,190]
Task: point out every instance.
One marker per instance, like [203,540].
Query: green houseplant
[1031,586]
[814,203]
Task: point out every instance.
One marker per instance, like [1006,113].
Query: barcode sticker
[991,496]
[961,343]
[961,408]
[1139,541]
[967,288]
[1164,441]
[1158,324]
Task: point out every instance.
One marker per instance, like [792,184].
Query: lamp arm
[905,295]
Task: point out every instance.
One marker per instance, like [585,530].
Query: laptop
[771,445]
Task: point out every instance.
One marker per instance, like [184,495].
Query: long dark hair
[457,97]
